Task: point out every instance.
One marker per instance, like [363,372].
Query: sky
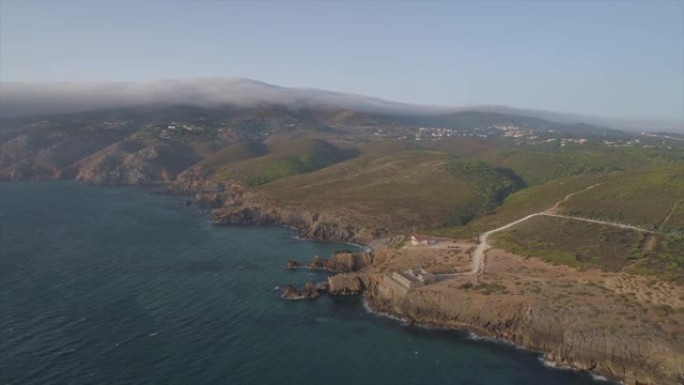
[616,58]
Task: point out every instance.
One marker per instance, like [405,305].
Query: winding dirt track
[479,253]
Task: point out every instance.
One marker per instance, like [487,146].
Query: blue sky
[614,58]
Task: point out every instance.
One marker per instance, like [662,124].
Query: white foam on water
[595,377]
[368,309]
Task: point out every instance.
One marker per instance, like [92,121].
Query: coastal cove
[114,285]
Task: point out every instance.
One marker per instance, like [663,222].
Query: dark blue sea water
[116,286]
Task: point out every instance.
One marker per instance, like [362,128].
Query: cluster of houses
[564,142]
[435,132]
[177,128]
[515,131]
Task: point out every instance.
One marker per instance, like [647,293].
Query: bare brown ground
[628,297]
[446,257]
[650,242]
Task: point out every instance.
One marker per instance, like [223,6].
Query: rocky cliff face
[348,284]
[573,317]
[340,262]
[134,161]
[308,224]
[29,157]
[594,342]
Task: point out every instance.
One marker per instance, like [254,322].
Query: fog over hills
[41,98]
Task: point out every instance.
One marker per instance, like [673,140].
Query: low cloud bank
[26,99]
[21,99]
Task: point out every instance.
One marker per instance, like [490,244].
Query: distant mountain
[32,99]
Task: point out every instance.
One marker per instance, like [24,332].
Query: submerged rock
[310,291]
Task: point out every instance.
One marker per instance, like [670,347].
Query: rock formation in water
[309,291]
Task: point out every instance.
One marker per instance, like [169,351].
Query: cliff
[308,224]
[590,344]
[593,337]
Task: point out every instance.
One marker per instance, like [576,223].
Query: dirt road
[479,253]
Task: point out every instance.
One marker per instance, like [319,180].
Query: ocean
[114,285]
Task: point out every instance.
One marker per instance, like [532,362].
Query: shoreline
[472,335]
[364,248]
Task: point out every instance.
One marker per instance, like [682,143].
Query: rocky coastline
[628,359]
[631,359]
[644,356]
[236,204]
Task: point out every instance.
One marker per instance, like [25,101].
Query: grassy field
[539,165]
[651,197]
[542,163]
[587,245]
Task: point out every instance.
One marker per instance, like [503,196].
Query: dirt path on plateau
[479,253]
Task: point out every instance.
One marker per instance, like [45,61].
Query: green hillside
[540,165]
[409,189]
[652,197]
[233,153]
[280,159]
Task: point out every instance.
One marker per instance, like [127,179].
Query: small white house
[418,240]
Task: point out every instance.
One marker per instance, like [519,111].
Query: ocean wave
[594,376]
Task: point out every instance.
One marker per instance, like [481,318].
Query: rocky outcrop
[135,161]
[309,291]
[347,284]
[348,261]
[340,262]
